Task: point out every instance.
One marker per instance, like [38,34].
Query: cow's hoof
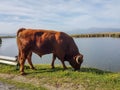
[77,70]
[52,67]
[65,68]
[22,73]
[33,68]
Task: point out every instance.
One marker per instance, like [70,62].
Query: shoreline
[95,35]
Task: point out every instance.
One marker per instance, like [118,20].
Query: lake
[101,53]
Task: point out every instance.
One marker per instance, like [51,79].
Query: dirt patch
[38,82]
[4,86]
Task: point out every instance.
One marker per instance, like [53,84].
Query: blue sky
[62,15]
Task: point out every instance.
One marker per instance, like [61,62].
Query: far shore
[7,36]
[87,35]
[105,34]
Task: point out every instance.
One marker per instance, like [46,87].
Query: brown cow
[44,42]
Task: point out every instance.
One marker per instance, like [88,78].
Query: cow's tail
[19,41]
[18,35]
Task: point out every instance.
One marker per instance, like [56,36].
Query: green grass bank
[45,78]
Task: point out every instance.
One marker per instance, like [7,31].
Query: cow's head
[76,61]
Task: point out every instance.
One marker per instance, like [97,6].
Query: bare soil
[4,86]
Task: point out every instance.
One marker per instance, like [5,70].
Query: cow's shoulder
[62,35]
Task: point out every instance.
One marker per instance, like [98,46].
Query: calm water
[101,53]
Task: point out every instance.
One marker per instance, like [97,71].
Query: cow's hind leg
[22,59]
[53,61]
[29,60]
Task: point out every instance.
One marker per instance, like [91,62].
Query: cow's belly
[41,51]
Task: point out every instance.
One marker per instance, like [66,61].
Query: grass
[87,78]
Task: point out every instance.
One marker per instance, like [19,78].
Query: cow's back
[45,41]
[39,41]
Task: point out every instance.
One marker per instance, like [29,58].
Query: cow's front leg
[29,60]
[64,66]
[53,61]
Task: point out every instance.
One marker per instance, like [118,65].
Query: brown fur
[44,42]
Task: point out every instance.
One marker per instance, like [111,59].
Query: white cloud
[58,14]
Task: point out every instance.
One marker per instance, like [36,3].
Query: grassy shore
[45,78]
[105,34]
[7,36]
